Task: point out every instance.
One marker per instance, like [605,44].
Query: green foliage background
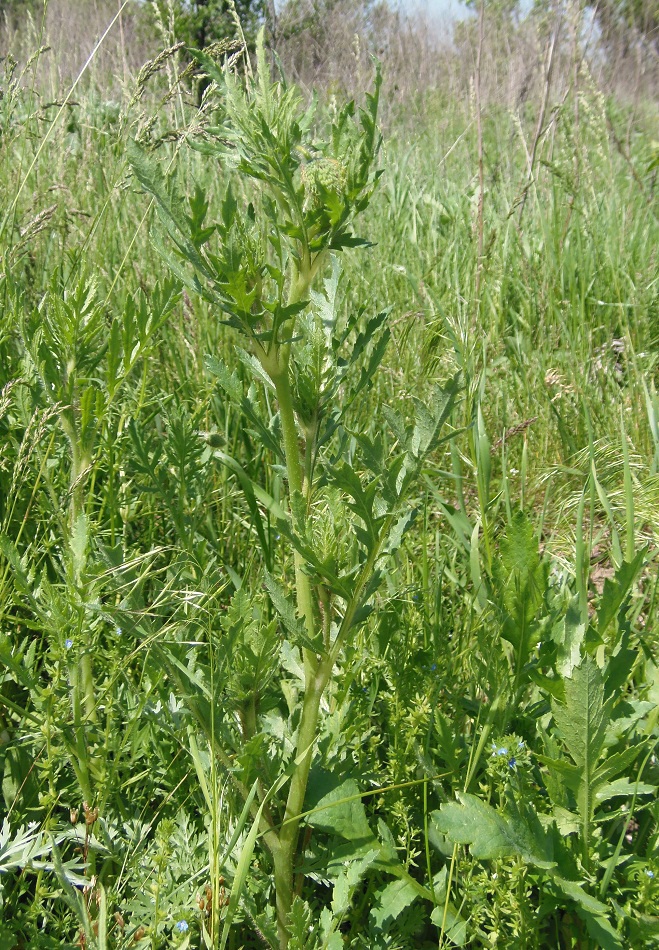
[485,772]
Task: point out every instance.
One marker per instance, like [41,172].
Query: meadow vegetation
[329,487]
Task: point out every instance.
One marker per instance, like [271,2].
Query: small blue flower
[512,762]
[68,644]
[502,751]
[433,667]
[520,744]
[649,872]
[119,631]
[181,926]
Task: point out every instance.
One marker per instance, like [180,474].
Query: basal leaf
[489,833]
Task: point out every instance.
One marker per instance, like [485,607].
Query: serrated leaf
[616,590]
[390,902]
[230,382]
[292,622]
[254,367]
[570,636]
[398,531]
[583,718]
[396,423]
[522,579]
[150,176]
[616,763]
[569,774]
[489,833]
[349,879]
[171,208]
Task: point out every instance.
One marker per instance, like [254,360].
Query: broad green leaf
[583,718]
[342,813]
[448,920]
[593,913]
[489,833]
[390,903]
[624,788]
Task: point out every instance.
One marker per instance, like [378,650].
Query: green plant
[595,737]
[342,523]
[172,592]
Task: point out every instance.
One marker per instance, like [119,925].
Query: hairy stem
[288,838]
[316,674]
[294,471]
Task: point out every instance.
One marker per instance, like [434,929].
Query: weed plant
[328,588]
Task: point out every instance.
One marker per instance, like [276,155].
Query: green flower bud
[324,173]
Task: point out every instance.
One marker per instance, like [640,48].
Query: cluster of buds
[91,814]
[205,900]
[326,174]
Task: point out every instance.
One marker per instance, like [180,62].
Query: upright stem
[78,466]
[316,674]
[81,676]
[315,677]
[288,837]
[481,176]
[294,471]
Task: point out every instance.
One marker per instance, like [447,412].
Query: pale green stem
[288,838]
[294,471]
[82,679]
[79,465]
[316,676]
